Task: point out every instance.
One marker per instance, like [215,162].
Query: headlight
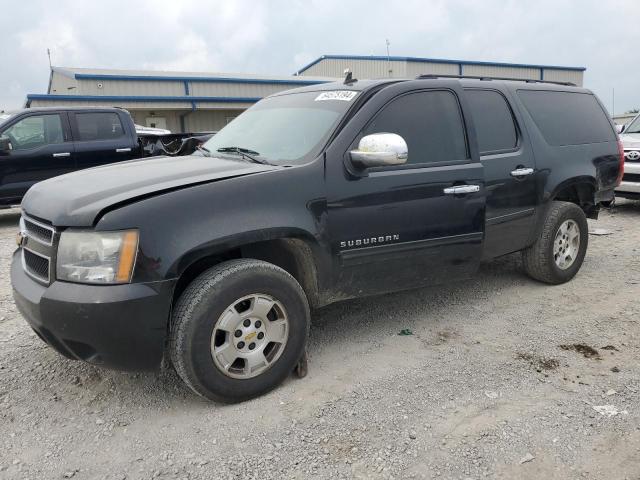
[97,257]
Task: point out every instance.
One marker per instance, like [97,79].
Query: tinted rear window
[99,126]
[567,118]
[493,121]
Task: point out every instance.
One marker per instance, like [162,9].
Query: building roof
[158,75]
[433,60]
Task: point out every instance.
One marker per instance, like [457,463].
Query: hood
[76,199]
[630,140]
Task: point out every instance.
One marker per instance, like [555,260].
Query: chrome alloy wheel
[566,244]
[249,336]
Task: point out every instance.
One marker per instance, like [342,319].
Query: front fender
[181,227]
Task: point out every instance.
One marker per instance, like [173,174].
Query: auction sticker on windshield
[344,95]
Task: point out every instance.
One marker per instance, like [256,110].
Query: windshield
[286,129]
[634,126]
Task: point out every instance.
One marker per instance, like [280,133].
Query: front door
[41,148]
[405,226]
[509,172]
[100,138]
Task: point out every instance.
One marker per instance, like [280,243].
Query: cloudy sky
[278,37]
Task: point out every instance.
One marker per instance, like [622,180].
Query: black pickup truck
[41,143]
[311,196]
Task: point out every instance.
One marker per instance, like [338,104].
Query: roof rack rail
[526,80]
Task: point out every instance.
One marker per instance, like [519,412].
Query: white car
[630,136]
[142,130]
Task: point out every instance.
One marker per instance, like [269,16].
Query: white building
[411,67]
[195,102]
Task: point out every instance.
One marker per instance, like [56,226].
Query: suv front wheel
[238,330]
[559,251]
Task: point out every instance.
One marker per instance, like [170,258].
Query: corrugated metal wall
[62,84]
[252,90]
[130,88]
[121,104]
[171,117]
[423,68]
[360,68]
[510,72]
[200,121]
[177,88]
[375,68]
[554,75]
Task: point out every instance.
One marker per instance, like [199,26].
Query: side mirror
[620,128]
[5,145]
[380,150]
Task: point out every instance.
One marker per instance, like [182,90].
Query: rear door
[100,138]
[41,149]
[509,171]
[404,226]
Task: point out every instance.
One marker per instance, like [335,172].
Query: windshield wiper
[244,153]
[204,150]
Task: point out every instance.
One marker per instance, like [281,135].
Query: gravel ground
[498,380]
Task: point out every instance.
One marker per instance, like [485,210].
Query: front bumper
[117,326]
[631,171]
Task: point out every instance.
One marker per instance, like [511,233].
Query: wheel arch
[294,250]
[578,190]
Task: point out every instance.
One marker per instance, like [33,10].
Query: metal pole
[49,55]
[613,102]
[388,58]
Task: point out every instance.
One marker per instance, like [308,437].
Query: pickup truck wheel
[238,330]
[558,253]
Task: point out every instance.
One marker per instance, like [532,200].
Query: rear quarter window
[492,117]
[567,118]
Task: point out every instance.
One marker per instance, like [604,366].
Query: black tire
[200,306]
[538,260]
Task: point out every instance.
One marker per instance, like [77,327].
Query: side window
[568,118]
[98,126]
[430,123]
[493,121]
[35,131]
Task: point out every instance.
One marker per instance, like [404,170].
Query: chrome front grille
[36,265]
[37,248]
[38,231]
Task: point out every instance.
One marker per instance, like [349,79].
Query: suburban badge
[370,241]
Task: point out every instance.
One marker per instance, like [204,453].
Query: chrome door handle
[521,172]
[122,150]
[63,154]
[461,189]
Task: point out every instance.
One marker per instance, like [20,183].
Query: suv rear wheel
[238,330]
[559,252]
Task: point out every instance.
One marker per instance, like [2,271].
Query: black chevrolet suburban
[311,196]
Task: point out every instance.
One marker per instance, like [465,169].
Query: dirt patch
[585,350]
[539,363]
[444,336]
[440,338]
[610,347]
